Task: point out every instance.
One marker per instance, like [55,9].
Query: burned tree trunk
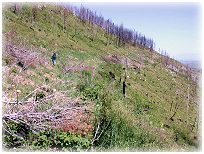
[124,85]
[34,14]
[15,9]
[124,82]
[65,14]
[176,109]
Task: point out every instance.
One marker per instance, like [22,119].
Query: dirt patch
[22,80]
[31,73]
[80,68]
[131,63]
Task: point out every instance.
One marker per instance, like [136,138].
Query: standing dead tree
[175,111]
[124,82]
[15,8]
[108,26]
[65,15]
[34,14]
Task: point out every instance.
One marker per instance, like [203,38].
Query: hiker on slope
[54,57]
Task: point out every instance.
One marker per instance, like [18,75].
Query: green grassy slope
[142,120]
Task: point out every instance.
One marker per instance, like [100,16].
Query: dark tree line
[117,34]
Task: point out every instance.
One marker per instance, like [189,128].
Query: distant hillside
[193,64]
[105,93]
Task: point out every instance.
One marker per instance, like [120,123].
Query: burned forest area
[75,81]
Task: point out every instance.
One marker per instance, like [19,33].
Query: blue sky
[175,27]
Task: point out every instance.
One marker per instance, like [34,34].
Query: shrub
[8,60]
[40,95]
[14,70]
[183,136]
[60,140]
[20,135]
[47,80]
[14,134]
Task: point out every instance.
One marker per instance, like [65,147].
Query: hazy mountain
[193,64]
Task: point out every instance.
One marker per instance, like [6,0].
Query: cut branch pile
[23,57]
[59,112]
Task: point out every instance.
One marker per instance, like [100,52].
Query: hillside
[98,96]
